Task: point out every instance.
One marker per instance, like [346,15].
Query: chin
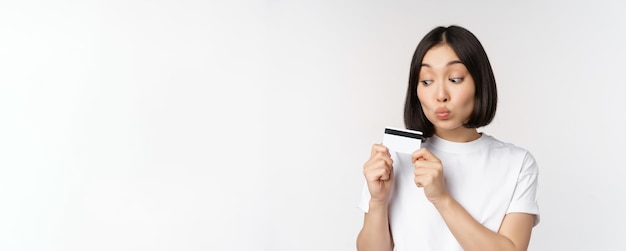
[448,125]
[449,128]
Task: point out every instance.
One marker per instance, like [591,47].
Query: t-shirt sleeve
[364,204]
[525,195]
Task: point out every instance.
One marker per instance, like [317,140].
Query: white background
[194,125]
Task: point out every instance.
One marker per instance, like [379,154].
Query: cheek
[467,95]
[422,95]
[468,101]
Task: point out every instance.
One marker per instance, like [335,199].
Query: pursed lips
[442,113]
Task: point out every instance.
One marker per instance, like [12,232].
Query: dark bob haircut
[473,56]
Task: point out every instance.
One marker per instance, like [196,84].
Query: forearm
[470,234]
[375,234]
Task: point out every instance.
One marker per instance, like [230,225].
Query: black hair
[473,56]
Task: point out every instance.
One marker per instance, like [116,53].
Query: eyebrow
[448,64]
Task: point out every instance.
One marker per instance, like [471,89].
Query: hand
[378,171]
[429,175]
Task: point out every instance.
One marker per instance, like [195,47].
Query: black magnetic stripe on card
[403,134]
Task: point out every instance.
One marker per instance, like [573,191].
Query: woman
[466,190]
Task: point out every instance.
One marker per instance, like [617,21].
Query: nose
[442,94]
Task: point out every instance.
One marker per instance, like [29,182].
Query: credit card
[402,140]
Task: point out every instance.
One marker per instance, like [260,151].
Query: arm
[515,229]
[375,234]
[514,233]
[378,171]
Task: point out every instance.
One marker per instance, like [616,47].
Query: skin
[446,92]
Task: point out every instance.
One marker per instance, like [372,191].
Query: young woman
[463,190]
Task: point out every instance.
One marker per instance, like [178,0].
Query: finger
[421,163]
[380,173]
[372,175]
[384,157]
[376,158]
[423,180]
[375,155]
[372,171]
[379,148]
[417,155]
[425,154]
[425,171]
[390,172]
[418,182]
[387,175]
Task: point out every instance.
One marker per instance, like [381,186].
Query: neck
[460,135]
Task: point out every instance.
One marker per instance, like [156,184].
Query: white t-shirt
[489,178]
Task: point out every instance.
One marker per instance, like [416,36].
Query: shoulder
[504,147]
[512,152]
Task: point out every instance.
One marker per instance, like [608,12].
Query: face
[445,90]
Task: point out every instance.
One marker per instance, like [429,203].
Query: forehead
[441,56]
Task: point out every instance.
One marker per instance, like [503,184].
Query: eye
[426,82]
[456,80]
